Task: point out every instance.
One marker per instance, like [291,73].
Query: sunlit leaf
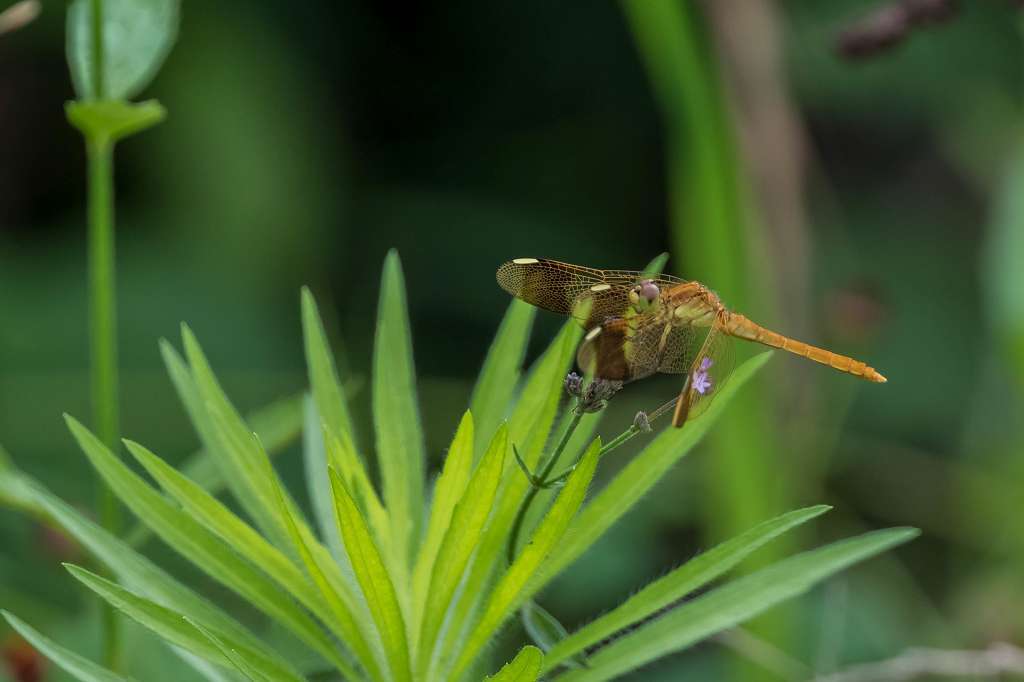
[525,667]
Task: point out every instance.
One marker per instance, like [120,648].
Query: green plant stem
[517,525]
[103,341]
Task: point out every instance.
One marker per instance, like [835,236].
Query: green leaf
[373,578]
[513,587]
[529,427]
[173,626]
[347,627]
[497,381]
[237,660]
[733,604]
[278,424]
[323,374]
[78,667]
[136,37]
[193,541]
[136,571]
[670,588]
[109,121]
[314,465]
[546,631]
[525,667]
[657,264]
[396,415]
[640,475]
[232,469]
[458,466]
[460,541]
[238,535]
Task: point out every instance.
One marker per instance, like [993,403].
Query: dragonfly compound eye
[648,290]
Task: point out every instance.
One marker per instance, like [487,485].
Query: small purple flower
[702,378]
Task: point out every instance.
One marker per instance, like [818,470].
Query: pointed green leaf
[546,631]
[528,430]
[449,488]
[78,667]
[314,465]
[232,470]
[460,541]
[525,667]
[514,587]
[640,475]
[173,626]
[499,378]
[278,425]
[193,541]
[136,37]
[675,585]
[396,414]
[657,264]
[733,604]
[237,660]
[247,542]
[136,571]
[341,612]
[373,578]
[323,374]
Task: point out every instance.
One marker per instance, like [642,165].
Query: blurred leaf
[239,536]
[733,604]
[78,667]
[670,588]
[323,374]
[137,36]
[396,415]
[461,539]
[657,264]
[546,631]
[173,626]
[135,570]
[525,667]
[640,475]
[232,471]
[450,486]
[278,424]
[314,465]
[373,577]
[196,543]
[514,586]
[499,377]
[109,121]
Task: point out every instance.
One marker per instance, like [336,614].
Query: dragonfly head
[644,295]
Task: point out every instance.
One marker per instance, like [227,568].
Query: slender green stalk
[103,342]
[517,525]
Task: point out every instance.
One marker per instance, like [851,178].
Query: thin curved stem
[517,525]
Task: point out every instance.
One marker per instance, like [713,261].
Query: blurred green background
[872,207]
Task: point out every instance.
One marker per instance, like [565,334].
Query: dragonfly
[639,324]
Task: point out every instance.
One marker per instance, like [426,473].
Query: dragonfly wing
[707,374]
[623,349]
[568,289]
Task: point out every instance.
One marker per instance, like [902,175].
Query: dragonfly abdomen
[742,327]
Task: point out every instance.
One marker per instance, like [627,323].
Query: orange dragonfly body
[639,324]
